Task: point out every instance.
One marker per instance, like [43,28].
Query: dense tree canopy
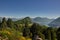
[4,23]
[25,28]
[10,23]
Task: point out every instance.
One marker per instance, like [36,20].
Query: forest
[25,29]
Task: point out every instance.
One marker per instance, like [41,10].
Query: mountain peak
[55,23]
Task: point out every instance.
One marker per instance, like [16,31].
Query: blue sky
[31,8]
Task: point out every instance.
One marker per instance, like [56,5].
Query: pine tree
[36,30]
[10,23]
[58,34]
[26,31]
[4,24]
[49,33]
[53,34]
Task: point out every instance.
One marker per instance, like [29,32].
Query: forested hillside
[25,29]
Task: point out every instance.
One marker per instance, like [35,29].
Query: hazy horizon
[32,8]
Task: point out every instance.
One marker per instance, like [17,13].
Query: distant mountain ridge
[40,20]
[55,23]
[43,21]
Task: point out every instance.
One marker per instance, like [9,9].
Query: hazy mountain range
[42,21]
[55,23]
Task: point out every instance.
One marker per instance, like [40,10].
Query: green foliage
[26,31]
[18,27]
[24,21]
[51,34]
[24,27]
[10,23]
[58,34]
[36,29]
[3,24]
[41,36]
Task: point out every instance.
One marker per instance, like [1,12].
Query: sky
[31,8]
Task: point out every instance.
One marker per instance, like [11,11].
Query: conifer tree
[4,24]
[10,23]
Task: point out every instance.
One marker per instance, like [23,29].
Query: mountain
[55,23]
[43,21]
[24,20]
[15,19]
[40,20]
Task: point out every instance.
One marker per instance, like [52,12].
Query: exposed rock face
[36,37]
[39,39]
